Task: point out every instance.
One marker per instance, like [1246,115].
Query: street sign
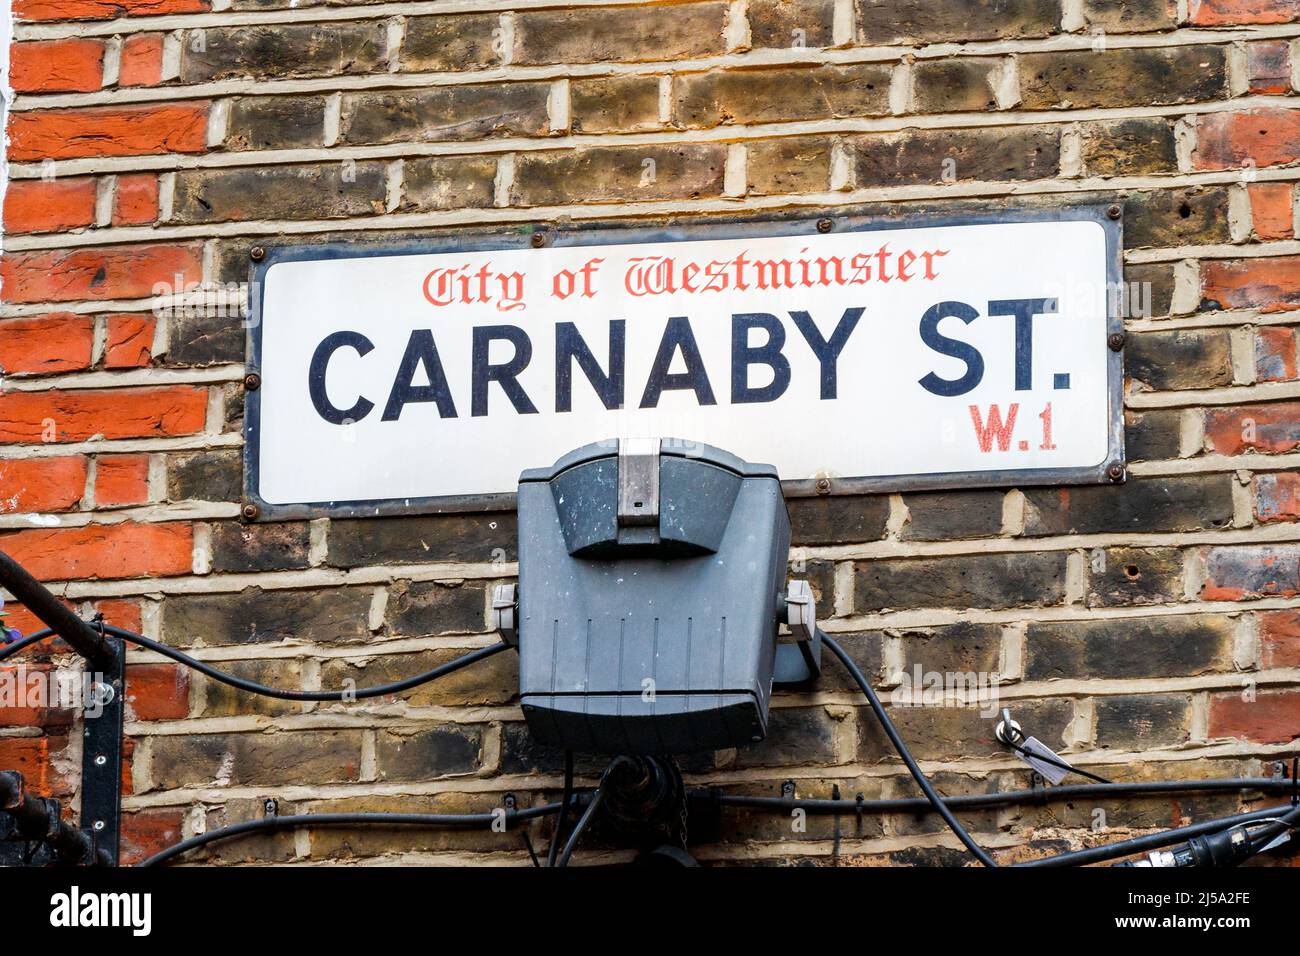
[853,354]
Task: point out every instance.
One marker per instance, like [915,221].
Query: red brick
[126,550]
[1250,571]
[130,340]
[28,623]
[1279,638]
[36,692]
[1268,66]
[76,415]
[49,205]
[1268,284]
[108,131]
[1275,354]
[158,691]
[1277,497]
[1262,137]
[103,9]
[121,480]
[30,756]
[136,200]
[44,344]
[121,612]
[117,272]
[1208,13]
[142,56]
[57,66]
[1271,210]
[1273,717]
[146,832]
[1272,428]
[41,484]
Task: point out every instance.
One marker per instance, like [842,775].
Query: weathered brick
[425,539]
[216,699]
[942,515]
[129,343]
[345,843]
[26,704]
[446,43]
[1269,428]
[276,122]
[1173,503]
[46,344]
[1250,138]
[327,191]
[1131,16]
[1277,497]
[257,616]
[957,85]
[190,760]
[121,480]
[951,732]
[793,164]
[937,156]
[492,682]
[1267,718]
[99,272]
[1272,210]
[448,182]
[614,104]
[124,612]
[205,476]
[867,651]
[703,100]
[429,754]
[281,50]
[146,832]
[1181,358]
[802,735]
[126,550]
[1268,284]
[1142,721]
[1153,434]
[1129,147]
[53,205]
[985,581]
[919,21]
[76,415]
[1129,647]
[428,607]
[610,34]
[1131,576]
[108,131]
[262,547]
[103,9]
[777,24]
[142,56]
[963,648]
[57,66]
[204,336]
[158,692]
[1176,217]
[820,576]
[1238,572]
[445,113]
[837,520]
[1279,638]
[32,757]
[135,200]
[608,174]
[1128,76]
[1275,354]
[1210,13]
[1268,67]
[520,753]
[1148,290]
[41,484]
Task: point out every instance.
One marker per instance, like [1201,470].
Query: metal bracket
[101,754]
[638,482]
[800,662]
[505,612]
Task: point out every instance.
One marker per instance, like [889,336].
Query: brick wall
[1149,630]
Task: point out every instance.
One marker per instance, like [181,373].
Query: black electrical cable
[451,820]
[8,650]
[597,798]
[253,687]
[1057,763]
[564,809]
[888,725]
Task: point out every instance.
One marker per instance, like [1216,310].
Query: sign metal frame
[835,220]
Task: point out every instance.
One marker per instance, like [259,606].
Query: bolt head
[1115,341]
[1114,211]
[100,760]
[538,240]
[825,225]
[252,381]
[250,512]
[99,824]
[1115,472]
[823,486]
[257,253]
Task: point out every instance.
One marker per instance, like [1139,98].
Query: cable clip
[1040,758]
